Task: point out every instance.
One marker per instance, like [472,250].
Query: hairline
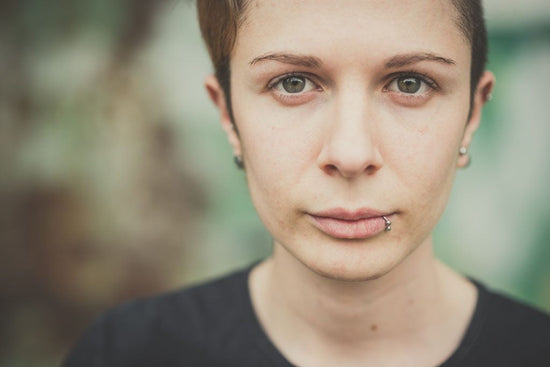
[459,19]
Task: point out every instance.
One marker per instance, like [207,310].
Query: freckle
[374,327]
[411,301]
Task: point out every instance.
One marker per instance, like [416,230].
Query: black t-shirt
[214,324]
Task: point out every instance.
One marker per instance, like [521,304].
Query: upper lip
[346,214]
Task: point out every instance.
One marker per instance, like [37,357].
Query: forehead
[352,28]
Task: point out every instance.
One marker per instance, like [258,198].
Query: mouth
[351,224]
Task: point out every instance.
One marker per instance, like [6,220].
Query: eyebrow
[413,58]
[314,62]
[298,60]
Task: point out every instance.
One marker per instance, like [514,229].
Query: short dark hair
[472,23]
[220,21]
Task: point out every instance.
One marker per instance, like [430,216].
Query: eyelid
[273,82]
[415,74]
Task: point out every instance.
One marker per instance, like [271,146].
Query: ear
[217,96]
[482,94]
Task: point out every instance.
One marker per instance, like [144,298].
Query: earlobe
[482,94]
[217,96]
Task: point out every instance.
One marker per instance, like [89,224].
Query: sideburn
[223,75]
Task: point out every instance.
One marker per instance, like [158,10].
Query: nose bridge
[351,114]
[350,147]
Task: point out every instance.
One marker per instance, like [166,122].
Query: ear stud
[462,152]
[238,161]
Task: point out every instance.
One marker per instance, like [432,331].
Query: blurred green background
[116,181]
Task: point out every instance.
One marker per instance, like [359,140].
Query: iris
[409,85]
[294,84]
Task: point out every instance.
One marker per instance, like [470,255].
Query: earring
[462,152]
[238,161]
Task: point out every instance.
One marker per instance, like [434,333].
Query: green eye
[409,85]
[294,84]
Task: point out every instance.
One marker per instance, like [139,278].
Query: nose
[350,147]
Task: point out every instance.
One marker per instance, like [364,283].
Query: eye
[411,84]
[293,84]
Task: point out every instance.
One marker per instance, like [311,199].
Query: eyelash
[292,98]
[429,82]
[273,83]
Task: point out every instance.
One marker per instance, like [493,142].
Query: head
[347,115]
[220,21]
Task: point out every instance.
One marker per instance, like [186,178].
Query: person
[350,120]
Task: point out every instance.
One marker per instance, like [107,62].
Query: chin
[350,273]
[352,262]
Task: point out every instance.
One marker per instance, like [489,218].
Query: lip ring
[350,215]
[388,224]
[344,224]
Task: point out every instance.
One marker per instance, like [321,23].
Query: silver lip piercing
[388,224]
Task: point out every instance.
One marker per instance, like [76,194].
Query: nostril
[330,169]
[371,169]
[350,156]
[333,169]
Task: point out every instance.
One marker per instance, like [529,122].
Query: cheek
[278,150]
[424,156]
[273,157]
[278,143]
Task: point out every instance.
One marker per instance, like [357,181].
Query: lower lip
[349,229]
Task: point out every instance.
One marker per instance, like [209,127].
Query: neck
[406,304]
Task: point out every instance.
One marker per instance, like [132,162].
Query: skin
[351,138]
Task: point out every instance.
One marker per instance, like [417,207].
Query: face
[346,115]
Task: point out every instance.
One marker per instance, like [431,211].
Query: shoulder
[165,329]
[507,314]
[510,331]
[187,313]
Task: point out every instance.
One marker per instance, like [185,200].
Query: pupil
[294,84]
[409,85]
